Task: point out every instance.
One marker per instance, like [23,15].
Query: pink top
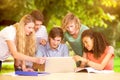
[108,50]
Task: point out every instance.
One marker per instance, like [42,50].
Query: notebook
[29,73]
[59,64]
[92,70]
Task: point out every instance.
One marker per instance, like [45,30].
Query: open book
[92,70]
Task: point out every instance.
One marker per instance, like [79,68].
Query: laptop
[59,64]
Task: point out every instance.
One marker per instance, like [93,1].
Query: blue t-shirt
[76,43]
[46,51]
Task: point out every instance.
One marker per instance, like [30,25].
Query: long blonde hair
[70,17]
[25,44]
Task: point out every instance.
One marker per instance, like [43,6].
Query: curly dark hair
[99,43]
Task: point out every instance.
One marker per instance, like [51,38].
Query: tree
[90,12]
[93,13]
[12,10]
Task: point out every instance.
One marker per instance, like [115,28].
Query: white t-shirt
[8,33]
[42,33]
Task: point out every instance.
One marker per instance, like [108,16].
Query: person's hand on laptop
[41,60]
[79,58]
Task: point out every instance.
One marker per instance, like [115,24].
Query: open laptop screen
[59,64]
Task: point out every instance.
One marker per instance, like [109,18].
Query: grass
[9,66]
[117,64]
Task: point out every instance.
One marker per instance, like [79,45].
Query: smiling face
[88,43]
[54,42]
[37,24]
[71,28]
[29,27]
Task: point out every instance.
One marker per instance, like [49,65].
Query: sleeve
[83,28]
[45,33]
[65,50]
[4,51]
[110,50]
[84,55]
[8,33]
[40,51]
[64,38]
[42,32]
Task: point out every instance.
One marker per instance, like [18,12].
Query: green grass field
[8,67]
[117,64]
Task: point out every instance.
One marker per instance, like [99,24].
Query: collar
[49,48]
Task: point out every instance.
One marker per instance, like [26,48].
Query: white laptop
[59,64]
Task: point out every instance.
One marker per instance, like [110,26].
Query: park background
[101,15]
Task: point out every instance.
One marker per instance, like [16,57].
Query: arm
[44,32]
[44,35]
[83,59]
[98,66]
[20,56]
[83,64]
[64,39]
[103,63]
[24,68]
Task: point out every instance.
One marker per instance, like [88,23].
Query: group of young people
[28,42]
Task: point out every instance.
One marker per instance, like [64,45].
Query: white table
[66,76]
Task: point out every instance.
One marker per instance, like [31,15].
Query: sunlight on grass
[117,64]
[9,66]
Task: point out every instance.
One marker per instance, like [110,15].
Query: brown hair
[99,42]
[70,17]
[37,15]
[56,31]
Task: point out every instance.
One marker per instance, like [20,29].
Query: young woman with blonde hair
[19,41]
